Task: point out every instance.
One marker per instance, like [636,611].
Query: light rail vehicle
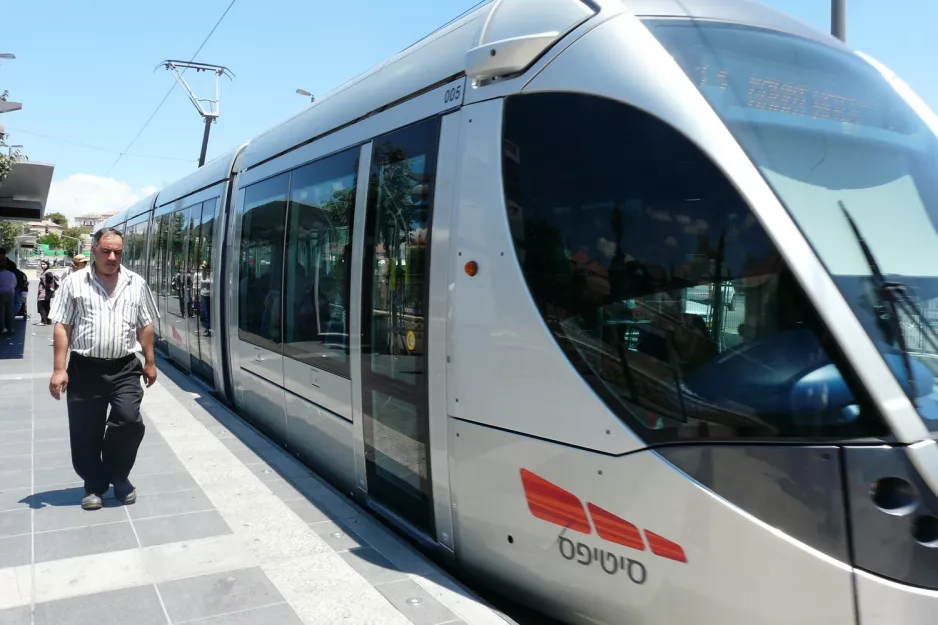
[626,307]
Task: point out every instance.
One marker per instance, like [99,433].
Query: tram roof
[211,173]
[436,58]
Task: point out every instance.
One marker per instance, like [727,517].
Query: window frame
[341,368]
[244,334]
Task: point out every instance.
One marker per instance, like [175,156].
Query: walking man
[104,315]
[48,285]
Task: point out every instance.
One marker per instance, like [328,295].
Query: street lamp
[311,97]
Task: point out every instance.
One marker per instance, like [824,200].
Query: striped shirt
[103,326]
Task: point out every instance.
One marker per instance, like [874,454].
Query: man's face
[107,254]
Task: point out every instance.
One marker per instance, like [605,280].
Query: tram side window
[318,271]
[261,262]
[658,282]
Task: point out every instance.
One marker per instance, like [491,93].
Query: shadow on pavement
[12,346]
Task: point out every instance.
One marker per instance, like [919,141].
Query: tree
[58,218]
[13,156]
[71,240]
[9,231]
[52,240]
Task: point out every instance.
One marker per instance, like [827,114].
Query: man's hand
[58,383]
[149,373]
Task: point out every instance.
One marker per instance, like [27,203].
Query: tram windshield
[852,162]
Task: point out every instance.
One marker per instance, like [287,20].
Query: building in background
[91,220]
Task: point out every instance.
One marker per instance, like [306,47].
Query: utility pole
[210,113]
[839,19]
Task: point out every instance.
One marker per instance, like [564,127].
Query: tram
[483,289]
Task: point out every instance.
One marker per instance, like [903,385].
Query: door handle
[258,356]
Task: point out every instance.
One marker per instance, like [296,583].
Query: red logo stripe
[665,548]
[549,502]
[615,529]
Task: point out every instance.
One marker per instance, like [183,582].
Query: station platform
[227,529]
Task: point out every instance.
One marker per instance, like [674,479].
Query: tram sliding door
[394,316]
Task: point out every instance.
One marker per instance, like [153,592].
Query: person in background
[78,263]
[48,284]
[104,316]
[7,295]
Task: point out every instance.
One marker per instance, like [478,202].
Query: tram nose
[893,515]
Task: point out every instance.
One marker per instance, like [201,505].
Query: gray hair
[96,240]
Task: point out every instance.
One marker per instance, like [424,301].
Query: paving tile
[15,522]
[15,479]
[15,449]
[166,504]
[56,496]
[214,595]
[182,527]
[298,488]
[404,594]
[84,541]
[247,456]
[281,614]
[375,568]
[15,551]
[323,505]
[70,515]
[16,463]
[54,460]
[20,424]
[22,436]
[56,476]
[152,466]
[163,483]
[53,446]
[339,535]
[265,473]
[13,498]
[51,433]
[139,605]
[16,616]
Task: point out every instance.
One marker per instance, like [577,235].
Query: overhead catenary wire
[168,93]
[97,147]
[126,150]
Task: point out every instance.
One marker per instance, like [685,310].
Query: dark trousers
[44,305]
[104,447]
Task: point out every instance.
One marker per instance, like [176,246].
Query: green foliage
[52,240]
[71,240]
[58,219]
[9,231]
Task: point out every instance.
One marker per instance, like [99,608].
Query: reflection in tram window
[394,312]
[837,144]
[322,203]
[205,270]
[192,257]
[261,262]
[658,282]
[177,267]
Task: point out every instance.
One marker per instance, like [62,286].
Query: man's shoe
[126,494]
[91,502]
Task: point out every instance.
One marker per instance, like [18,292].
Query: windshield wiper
[888,292]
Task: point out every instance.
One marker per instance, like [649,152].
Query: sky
[85,74]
